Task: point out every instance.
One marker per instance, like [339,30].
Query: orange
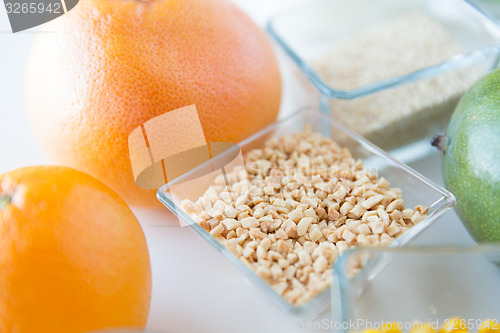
[73,257]
[108,66]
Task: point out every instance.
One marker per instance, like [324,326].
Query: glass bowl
[416,188]
[420,284]
[392,88]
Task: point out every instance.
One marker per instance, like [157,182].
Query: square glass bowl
[416,188]
[391,70]
[408,284]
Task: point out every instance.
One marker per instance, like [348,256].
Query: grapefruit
[106,67]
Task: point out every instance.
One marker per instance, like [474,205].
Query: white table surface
[194,288]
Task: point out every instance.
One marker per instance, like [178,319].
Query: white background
[194,288]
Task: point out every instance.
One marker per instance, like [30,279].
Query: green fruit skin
[471,163]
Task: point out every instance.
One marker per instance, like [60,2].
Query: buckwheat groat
[302,201]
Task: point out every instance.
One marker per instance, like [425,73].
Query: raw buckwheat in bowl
[285,203]
[393,71]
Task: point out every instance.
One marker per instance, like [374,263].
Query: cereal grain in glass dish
[398,47]
[298,204]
